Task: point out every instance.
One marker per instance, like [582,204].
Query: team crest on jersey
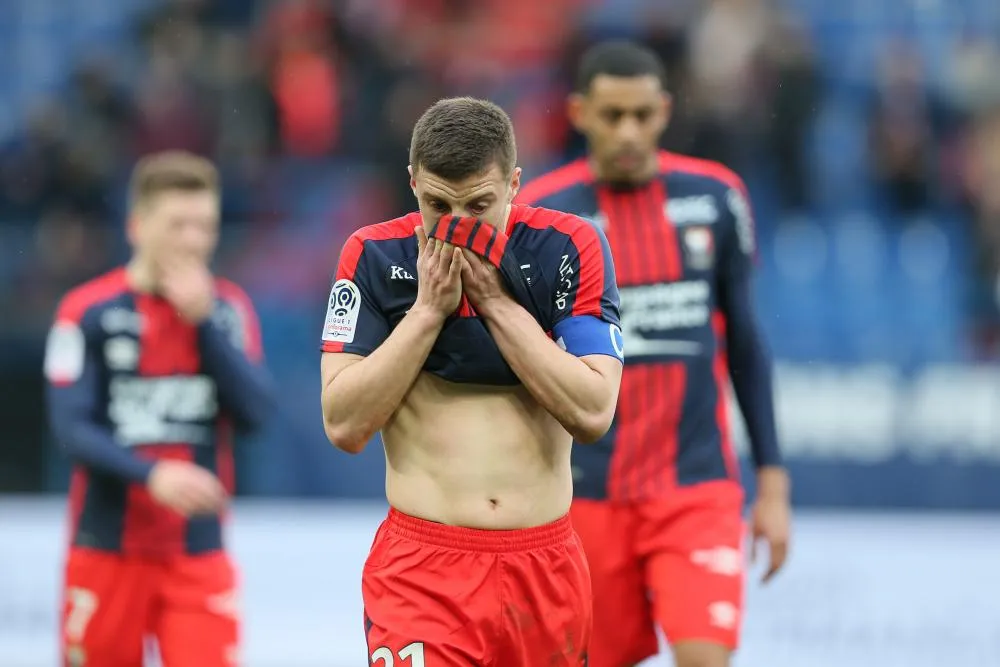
[699,246]
[342,312]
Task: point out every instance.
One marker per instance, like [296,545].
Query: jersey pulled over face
[563,261]
[484,196]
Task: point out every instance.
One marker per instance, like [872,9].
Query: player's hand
[186,488]
[439,275]
[482,283]
[188,285]
[771,520]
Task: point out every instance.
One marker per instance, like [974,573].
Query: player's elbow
[348,431]
[593,415]
[261,404]
[65,430]
[591,430]
[347,437]
[255,415]
[589,426]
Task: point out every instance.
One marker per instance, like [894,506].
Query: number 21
[414,651]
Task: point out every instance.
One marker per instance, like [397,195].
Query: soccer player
[149,369]
[658,503]
[480,338]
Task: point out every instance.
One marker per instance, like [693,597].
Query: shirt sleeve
[587,304]
[230,344]
[354,321]
[72,370]
[738,244]
[746,349]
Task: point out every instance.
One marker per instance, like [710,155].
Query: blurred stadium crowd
[868,132]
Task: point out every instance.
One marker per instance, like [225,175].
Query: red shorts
[446,596]
[678,564]
[113,604]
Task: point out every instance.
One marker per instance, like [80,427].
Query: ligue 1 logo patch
[342,312]
[699,246]
[65,353]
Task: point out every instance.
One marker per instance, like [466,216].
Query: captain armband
[584,335]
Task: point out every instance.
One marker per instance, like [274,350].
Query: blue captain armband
[585,334]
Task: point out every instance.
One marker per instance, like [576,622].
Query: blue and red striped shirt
[563,266]
[130,382]
[683,247]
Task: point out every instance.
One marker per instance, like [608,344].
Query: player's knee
[701,654]
[703,661]
[106,654]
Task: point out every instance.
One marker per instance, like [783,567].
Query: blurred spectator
[793,83]
[305,76]
[171,110]
[725,92]
[101,112]
[982,182]
[242,101]
[28,164]
[906,123]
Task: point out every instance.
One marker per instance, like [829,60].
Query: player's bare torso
[476,456]
[468,444]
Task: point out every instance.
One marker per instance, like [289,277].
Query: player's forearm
[751,373]
[750,369]
[245,389]
[360,399]
[752,381]
[579,397]
[93,446]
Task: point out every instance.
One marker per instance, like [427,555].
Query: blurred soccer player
[149,367]
[658,501]
[436,334]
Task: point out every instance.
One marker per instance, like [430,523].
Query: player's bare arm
[580,392]
[360,394]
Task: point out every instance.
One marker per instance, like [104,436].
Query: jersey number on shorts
[82,605]
[414,651]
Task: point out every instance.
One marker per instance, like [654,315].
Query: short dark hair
[619,58]
[171,171]
[458,137]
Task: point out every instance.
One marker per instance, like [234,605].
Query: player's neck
[140,276]
[643,177]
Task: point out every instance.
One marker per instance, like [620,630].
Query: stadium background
[868,132]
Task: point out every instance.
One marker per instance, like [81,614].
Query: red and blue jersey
[558,266]
[683,247]
[130,382]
